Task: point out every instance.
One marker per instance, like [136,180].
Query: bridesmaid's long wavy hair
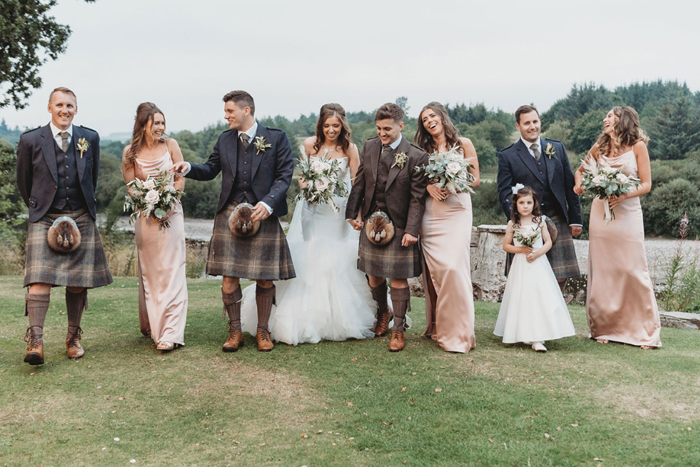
[425,139]
[536,212]
[144,114]
[626,132]
[328,111]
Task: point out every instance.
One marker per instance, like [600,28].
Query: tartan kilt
[562,255]
[264,256]
[85,267]
[391,260]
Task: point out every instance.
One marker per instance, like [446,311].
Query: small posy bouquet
[527,237]
[323,180]
[154,196]
[449,170]
[606,182]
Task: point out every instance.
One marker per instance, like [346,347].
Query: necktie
[535,151]
[64,140]
[244,140]
[385,148]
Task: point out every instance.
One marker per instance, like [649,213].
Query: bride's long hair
[144,114]
[626,132]
[425,139]
[328,111]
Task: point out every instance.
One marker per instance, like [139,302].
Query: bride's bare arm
[470,155]
[127,168]
[353,160]
[176,155]
[305,154]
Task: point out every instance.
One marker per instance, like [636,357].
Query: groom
[257,165]
[543,165]
[387,181]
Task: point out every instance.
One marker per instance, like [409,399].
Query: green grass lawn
[344,403]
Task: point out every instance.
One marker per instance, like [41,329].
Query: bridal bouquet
[323,177]
[154,196]
[606,182]
[449,170]
[528,237]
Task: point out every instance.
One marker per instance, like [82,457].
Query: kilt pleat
[562,256]
[264,256]
[85,267]
[391,260]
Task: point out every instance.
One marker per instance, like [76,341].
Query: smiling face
[524,205]
[609,123]
[432,122]
[62,107]
[529,126]
[238,118]
[388,130]
[332,128]
[155,127]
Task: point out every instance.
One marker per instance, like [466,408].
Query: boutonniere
[399,160]
[261,145]
[550,151]
[83,146]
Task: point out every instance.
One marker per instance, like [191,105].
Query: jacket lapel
[48,146]
[257,158]
[527,158]
[550,163]
[374,159]
[394,171]
[77,134]
[230,153]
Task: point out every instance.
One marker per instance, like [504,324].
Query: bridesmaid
[161,252]
[445,238]
[621,306]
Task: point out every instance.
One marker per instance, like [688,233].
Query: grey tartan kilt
[85,267]
[562,255]
[265,255]
[391,260]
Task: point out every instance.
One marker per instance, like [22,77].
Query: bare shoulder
[171,144]
[309,145]
[126,151]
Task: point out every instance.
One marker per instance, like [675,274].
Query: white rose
[597,179]
[317,166]
[453,168]
[321,184]
[152,197]
[169,188]
[149,184]
[326,166]
[622,178]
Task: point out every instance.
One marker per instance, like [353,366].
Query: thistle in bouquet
[155,196]
[323,180]
[606,182]
[527,237]
[449,170]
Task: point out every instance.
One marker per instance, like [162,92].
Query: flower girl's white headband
[517,188]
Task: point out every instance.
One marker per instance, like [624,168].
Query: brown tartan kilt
[391,260]
[264,256]
[85,267]
[562,255]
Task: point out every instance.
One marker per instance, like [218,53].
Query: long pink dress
[621,305]
[162,279]
[445,238]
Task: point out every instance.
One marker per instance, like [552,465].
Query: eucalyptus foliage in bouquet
[155,196]
[606,182]
[323,180]
[527,236]
[449,170]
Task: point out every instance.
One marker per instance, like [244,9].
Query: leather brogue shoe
[264,342]
[234,341]
[382,324]
[397,342]
[35,354]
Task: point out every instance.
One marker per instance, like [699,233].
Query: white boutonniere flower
[399,160]
[550,151]
[261,145]
[83,146]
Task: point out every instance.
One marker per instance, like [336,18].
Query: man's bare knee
[230,284]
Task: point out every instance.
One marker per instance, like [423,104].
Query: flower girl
[533,309]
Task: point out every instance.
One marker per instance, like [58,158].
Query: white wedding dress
[330,298]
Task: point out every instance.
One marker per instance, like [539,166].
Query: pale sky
[294,56]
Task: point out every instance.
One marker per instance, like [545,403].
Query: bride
[330,298]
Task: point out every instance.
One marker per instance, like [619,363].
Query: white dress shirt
[56,134]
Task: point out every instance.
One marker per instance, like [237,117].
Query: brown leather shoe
[35,354]
[264,342]
[382,324]
[234,341]
[397,343]
[73,348]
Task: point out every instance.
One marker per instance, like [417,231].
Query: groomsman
[257,165]
[387,181]
[57,168]
[543,165]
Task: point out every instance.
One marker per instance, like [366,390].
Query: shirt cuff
[189,168]
[269,209]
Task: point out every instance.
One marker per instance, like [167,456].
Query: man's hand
[408,240]
[260,213]
[356,224]
[180,167]
[576,230]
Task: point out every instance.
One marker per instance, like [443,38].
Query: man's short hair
[524,109]
[65,91]
[241,99]
[389,110]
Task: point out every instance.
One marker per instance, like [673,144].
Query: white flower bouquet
[322,176]
[155,196]
[449,170]
[527,237]
[606,182]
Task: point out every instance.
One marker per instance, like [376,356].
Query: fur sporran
[64,235]
[379,228]
[241,221]
[553,232]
